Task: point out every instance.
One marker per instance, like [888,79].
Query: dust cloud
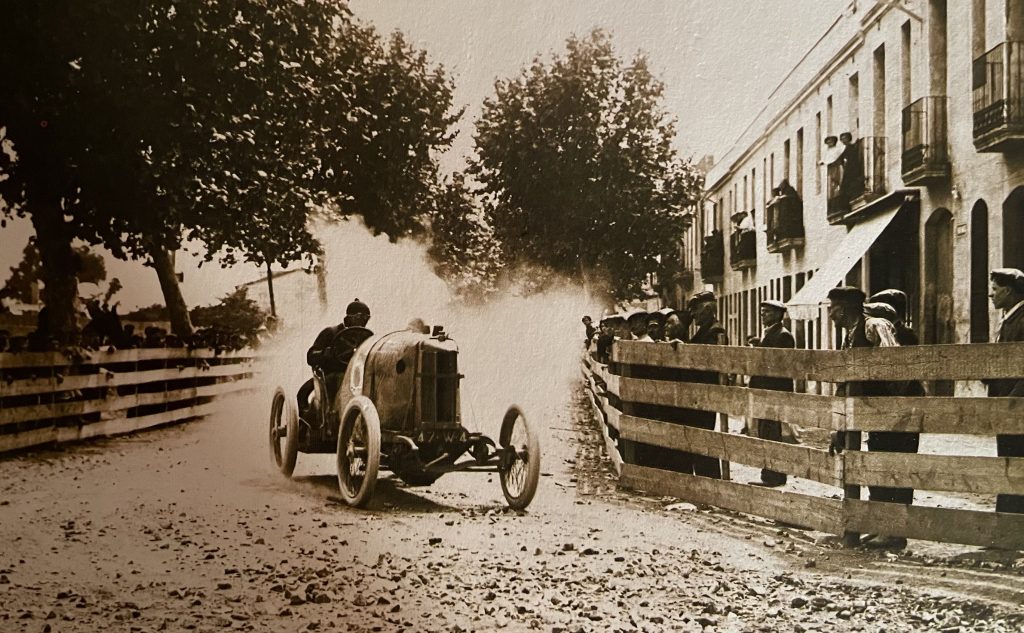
[514,349]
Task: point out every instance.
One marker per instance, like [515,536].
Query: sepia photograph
[568,316]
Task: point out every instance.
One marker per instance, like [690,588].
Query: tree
[87,267]
[575,162]
[235,312]
[462,247]
[223,122]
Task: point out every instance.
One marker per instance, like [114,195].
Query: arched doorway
[938,278]
[937,320]
[1013,230]
[979,273]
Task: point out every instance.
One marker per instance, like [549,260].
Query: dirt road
[188,528]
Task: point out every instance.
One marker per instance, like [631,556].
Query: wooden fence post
[851,442]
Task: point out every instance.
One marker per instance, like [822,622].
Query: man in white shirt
[1007,293]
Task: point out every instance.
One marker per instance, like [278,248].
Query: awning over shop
[805,303]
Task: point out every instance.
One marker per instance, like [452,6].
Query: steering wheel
[348,340]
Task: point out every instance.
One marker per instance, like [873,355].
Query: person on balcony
[775,335]
[1007,294]
[833,151]
[852,183]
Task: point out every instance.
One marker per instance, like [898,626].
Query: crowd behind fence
[639,400]
[53,397]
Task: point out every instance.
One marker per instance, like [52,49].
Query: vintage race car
[397,407]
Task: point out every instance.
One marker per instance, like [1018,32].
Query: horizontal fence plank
[26,439]
[120,426]
[936,472]
[934,414]
[30,386]
[803,409]
[818,513]
[798,461]
[102,357]
[968,527]
[115,403]
[917,362]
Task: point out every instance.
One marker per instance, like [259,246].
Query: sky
[719,60]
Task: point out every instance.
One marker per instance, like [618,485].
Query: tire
[358,454]
[284,423]
[520,473]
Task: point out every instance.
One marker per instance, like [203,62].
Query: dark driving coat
[775,336]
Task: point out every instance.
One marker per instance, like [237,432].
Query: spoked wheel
[358,451]
[519,466]
[284,433]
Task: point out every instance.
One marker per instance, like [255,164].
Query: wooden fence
[46,397]
[622,401]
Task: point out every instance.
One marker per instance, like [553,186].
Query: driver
[324,353]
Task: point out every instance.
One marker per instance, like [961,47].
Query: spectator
[871,328]
[833,151]
[606,337]
[1007,293]
[590,330]
[637,323]
[775,335]
[677,326]
[898,300]
[704,307]
[852,183]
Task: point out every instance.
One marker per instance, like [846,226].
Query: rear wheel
[519,465]
[284,432]
[358,451]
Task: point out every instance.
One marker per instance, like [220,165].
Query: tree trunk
[59,274]
[181,324]
[270,290]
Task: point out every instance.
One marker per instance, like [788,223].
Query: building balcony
[712,257]
[925,141]
[998,96]
[856,179]
[743,249]
[785,218]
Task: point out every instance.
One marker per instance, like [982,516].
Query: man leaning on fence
[1007,293]
[704,308]
[872,327]
[775,335]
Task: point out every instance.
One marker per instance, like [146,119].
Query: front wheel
[519,465]
[358,451]
[284,433]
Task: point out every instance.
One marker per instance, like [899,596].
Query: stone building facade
[932,94]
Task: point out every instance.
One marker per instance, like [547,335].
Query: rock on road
[188,528]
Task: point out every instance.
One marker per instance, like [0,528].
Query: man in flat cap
[775,335]
[637,321]
[846,310]
[704,307]
[1007,293]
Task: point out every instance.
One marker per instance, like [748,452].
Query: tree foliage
[140,124]
[235,312]
[463,248]
[575,161]
[89,267]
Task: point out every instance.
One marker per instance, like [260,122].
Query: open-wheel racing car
[396,406]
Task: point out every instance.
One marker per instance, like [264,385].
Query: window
[800,162]
[785,158]
[853,120]
[905,58]
[817,153]
[878,118]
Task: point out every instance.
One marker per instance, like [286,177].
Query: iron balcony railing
[743,248]
[785,219]
[998,88]
[925,141]
[712,256]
